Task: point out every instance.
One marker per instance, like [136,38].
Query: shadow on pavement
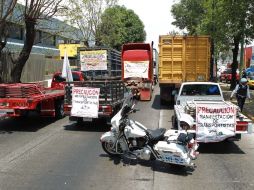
[95,126]
[24,124]
[154,165]
[226,147]
[157,104]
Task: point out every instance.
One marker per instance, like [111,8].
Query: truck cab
[198,91]
[58,81]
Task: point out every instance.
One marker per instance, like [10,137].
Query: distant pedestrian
[244,74]
[242,92]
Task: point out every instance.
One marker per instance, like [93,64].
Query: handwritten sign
[136,69]
[93,60]
[215,122]
[85,102]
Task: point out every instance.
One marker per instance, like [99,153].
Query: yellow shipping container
[182,59]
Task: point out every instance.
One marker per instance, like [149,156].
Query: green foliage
[86,15]
[223,20]
[188,15]
[226,21]
[118,26]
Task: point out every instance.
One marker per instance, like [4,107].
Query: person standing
[242,92]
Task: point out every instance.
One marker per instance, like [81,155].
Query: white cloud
[155,15]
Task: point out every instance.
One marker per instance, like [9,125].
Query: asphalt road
[40,153]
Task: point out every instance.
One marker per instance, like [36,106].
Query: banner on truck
[93,60]
[215,123]
[136,69]
[85,102]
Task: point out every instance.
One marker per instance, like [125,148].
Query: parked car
[229,77]
[223,76]
[226,76]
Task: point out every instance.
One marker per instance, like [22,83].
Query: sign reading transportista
[93,60]
[136,69]
[85,102]
[215,122]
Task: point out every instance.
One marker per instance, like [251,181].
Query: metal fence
[37,67]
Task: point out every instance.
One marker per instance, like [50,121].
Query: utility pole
[241,56]
[212,64]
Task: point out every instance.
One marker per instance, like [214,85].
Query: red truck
[137,69]
[102,68]
[58,82]
[19,99]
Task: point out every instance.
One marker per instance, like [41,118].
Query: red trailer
[21,98]
[137,69]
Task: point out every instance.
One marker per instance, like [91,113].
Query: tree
[32,12]
[6,10]
[227,21]
[86,14]
[188,15]
[118,26]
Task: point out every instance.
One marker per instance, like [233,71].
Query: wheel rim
[62,109]
[109,146]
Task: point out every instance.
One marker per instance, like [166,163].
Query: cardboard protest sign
[136,69]
[85,102]
[215,122]
[93,60]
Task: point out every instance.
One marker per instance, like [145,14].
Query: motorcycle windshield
[127,104]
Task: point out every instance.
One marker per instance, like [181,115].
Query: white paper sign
[215,122]
[93,60]
[85,102]
[136,69]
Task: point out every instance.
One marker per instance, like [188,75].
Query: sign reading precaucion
[85,102]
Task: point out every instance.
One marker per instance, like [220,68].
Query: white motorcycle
[133,140]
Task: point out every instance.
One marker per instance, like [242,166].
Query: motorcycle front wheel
[109,148]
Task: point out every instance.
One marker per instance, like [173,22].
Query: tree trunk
[20,62]
[234,65]
[212,60]
[3,42]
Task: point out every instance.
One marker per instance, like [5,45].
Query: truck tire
[163,102]
[59,109]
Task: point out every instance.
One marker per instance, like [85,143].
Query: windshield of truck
[200,90]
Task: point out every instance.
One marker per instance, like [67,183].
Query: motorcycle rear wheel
[109,148]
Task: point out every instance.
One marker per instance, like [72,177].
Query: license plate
[2,112]
[5,111]
[87,119]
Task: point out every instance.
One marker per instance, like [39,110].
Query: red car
[58,80]
[226,76]
[229,77]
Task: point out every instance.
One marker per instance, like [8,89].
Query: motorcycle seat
[156,134]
